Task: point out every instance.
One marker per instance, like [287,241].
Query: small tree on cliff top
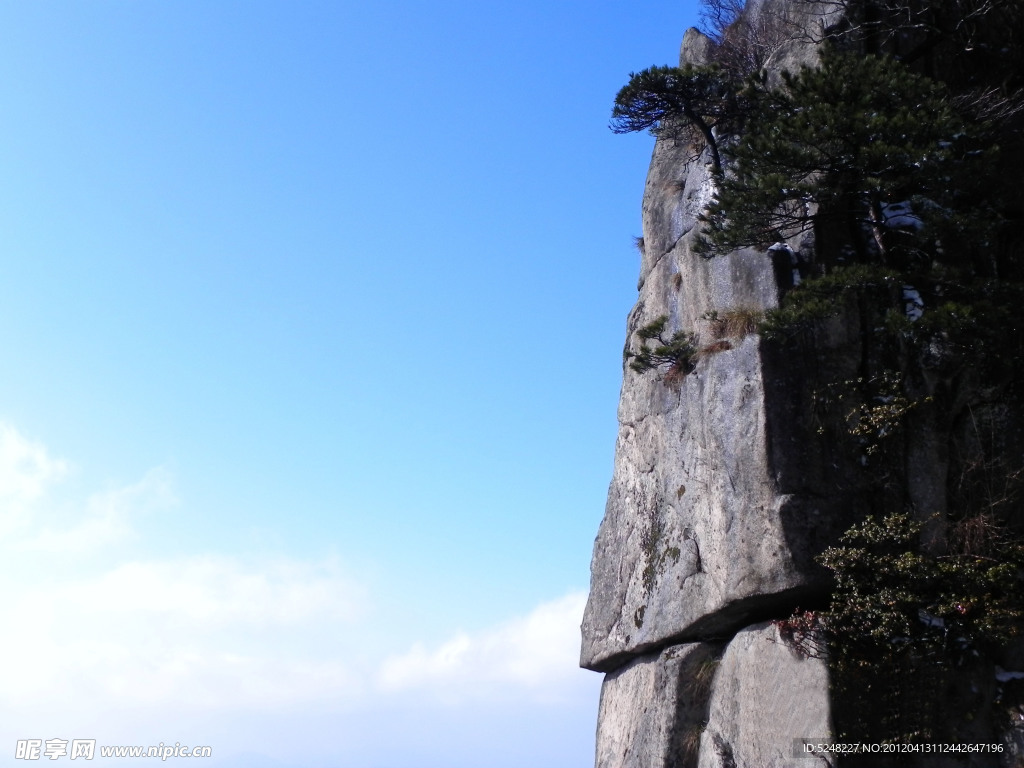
[672,101]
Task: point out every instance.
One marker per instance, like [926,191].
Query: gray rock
[696,48]
[718,503]
[699,536]
[730,479]
[693,704]
[765,696]
[803,24]
[653,710]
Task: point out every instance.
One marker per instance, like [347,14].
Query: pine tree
[676,351]
[669,101]
[861,144]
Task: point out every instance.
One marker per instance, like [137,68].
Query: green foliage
[903,620]
[888,166]
[884,414]
[973,325]
[867,413]
[676,351]
[942,34]
[891,597]
[668,100]
[815,300]
[838,144]
[657,96]
[967,327]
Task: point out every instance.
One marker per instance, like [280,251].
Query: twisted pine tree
[669,100]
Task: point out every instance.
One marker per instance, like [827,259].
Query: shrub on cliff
[702,103]
[677,351]
[905,622]
[948,36]
[890,596]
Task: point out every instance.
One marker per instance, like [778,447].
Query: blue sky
[311,316]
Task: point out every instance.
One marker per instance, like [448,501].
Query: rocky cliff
[724,491]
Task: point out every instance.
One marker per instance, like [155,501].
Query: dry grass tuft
[689,742]
[698,684]
[713,349]
[735,323]
[677,372]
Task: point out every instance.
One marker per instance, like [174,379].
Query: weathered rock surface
[697,540]
[729,480]
[766,695]
[715,510]
[741,706]
[655,708]
[704,532]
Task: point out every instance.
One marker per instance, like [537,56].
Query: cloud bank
[119,644]
[537,653]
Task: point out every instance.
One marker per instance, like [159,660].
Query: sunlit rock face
[767,696]
[653,708]
[727,486]
[717,505]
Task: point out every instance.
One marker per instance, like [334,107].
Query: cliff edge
[724,492]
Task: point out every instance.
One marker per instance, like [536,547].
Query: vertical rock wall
[730,479]
[724,491]
[713,514]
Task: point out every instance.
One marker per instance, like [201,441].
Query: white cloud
[26,467]
[31,521]
[204,631]
[26,472]
[114,630]
[215,591]
[108,516]
[118,645]
[537,653]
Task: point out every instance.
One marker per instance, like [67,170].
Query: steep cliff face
[723,492]
[705,534]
